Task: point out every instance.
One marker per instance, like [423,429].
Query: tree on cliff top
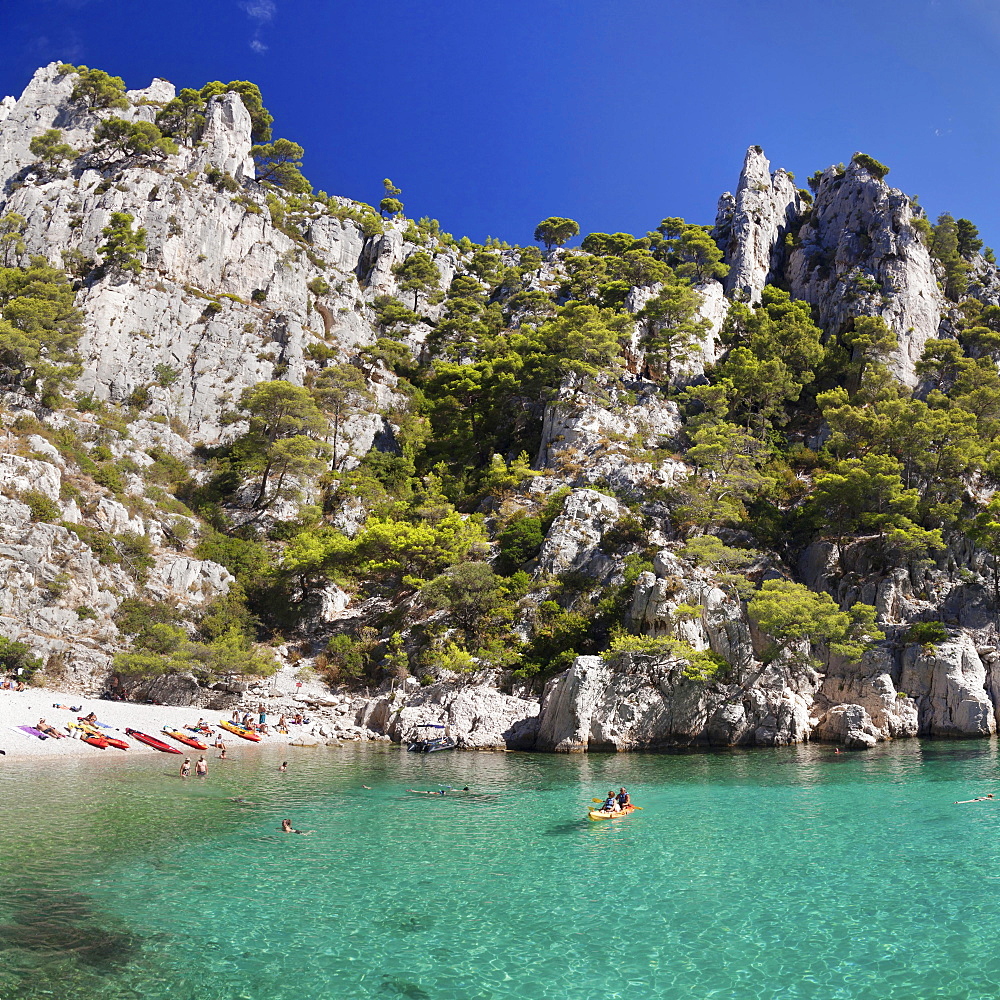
[280,162]
[97,89]
[116,138]
[555,231]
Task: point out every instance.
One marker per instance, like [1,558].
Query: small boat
[431,743]
[247,734]
[95,741]
[99,731]
[190,741]
[601,814]
[151,741]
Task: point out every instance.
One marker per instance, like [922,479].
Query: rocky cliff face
[858,254]
[227,297]
[752,224]
[223,296]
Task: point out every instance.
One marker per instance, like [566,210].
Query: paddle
[634,807]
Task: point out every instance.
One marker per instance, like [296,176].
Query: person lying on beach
[44,727]
[70,708]
[982,798]
[92,718]
[286,827]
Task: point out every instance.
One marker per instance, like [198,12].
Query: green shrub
[926,633]
[258,295]
[870,164]
[520,541]
[41,507]
[108,476]
[16,657]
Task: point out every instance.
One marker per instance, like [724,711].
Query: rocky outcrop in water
[478,716]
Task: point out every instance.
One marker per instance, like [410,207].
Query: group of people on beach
[259,725]
[11,684]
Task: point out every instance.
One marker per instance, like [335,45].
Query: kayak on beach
[151,741]
[184,738]
[96,732]
[247,734]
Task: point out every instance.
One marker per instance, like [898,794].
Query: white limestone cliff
[752,224]
[858,254]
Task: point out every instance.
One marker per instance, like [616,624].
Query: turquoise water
[789,873]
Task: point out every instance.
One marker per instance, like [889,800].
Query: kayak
[151,741]
[601,814]
[181,738]
[95,741]
[97,731]
[247,734]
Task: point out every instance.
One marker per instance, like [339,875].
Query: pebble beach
[25,708]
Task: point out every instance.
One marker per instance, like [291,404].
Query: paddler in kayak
[623,799]
[610,804]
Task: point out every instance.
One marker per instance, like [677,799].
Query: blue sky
[491,116]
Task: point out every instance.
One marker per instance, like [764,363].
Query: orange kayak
[247,734]
[190,741]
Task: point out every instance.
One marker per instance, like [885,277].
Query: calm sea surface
[790,873]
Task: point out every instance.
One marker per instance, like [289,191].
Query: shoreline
[25,708]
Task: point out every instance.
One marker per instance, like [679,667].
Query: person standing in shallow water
[186,768]
[201,768]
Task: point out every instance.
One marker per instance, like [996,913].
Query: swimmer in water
[982,798]
[286,827]
[443,791]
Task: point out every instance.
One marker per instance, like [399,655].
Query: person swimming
[286,827]
[440,791]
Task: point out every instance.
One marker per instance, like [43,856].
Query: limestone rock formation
[645,703]
[478,716]
[857,253]
[573,543]
[588,443]
[751,226]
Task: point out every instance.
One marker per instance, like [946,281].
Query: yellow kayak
[601,814]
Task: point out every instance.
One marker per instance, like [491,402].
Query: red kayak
[113,741]
[151,741]
[95,741]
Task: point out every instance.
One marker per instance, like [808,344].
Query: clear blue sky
[492,115]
